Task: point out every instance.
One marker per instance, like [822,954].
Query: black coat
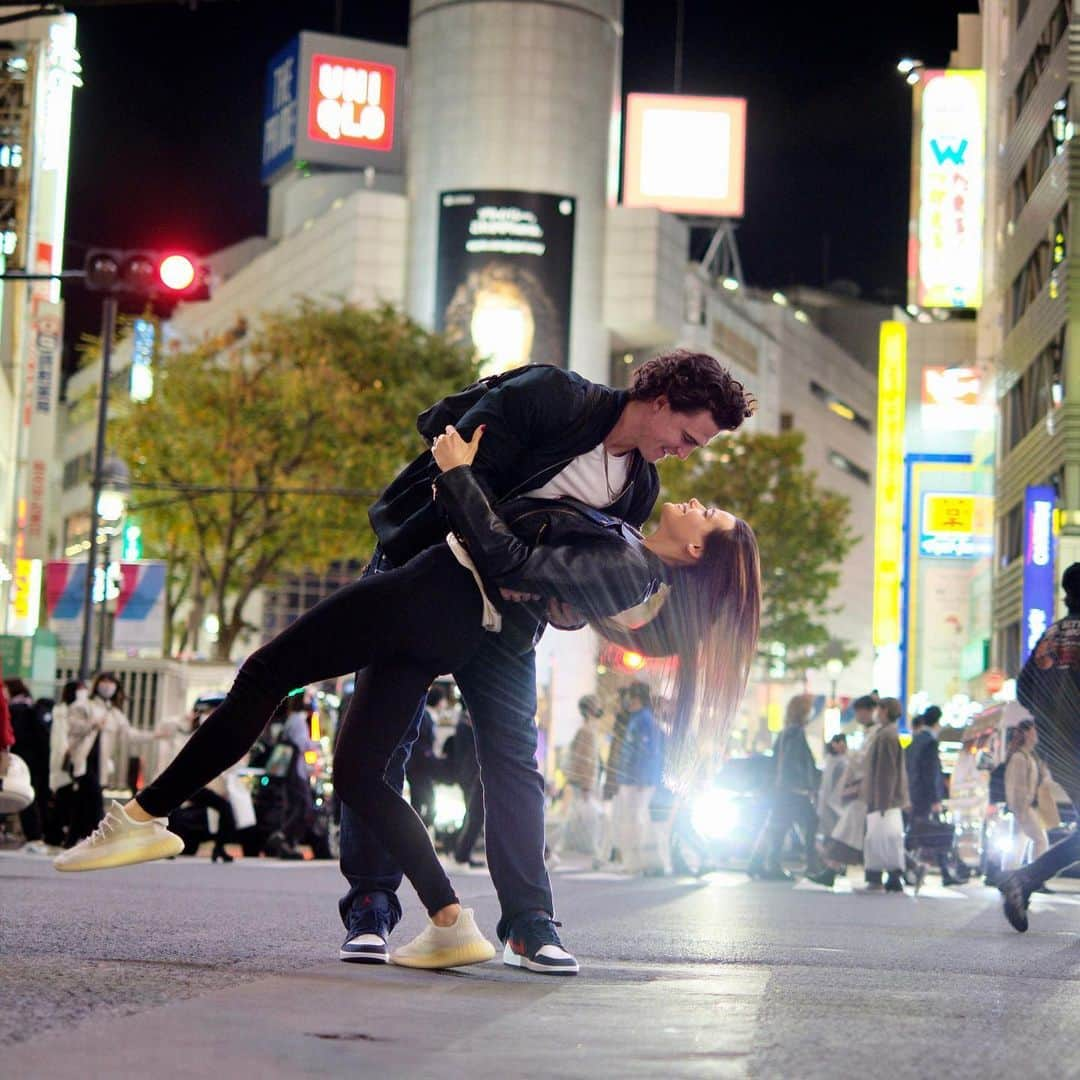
[926,781]
[537,420]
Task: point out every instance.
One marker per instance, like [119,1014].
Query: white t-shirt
[585,479]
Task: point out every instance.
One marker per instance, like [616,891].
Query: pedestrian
[927,835]
[844,845]
[830,801]
[794,790]
[640,766]
[1049,688]
[428,618]
[1026,777]
[32,745]
[467,774]
[885,790]
[421,767]
[299,813]
[7,736]
[581,807]
[116,734]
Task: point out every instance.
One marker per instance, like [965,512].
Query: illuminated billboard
[1038,566]
[948,198]
[889,486]
[686,155]
[953,400]
[333,101]
[504,275]
[955,525]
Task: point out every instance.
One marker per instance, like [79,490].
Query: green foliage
[322,397]
[803,531]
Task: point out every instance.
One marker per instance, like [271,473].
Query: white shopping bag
[883,848]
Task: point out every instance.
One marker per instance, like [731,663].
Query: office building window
[844,464]
[838,407]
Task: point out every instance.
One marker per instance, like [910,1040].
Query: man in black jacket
[549,433]
[1049,686]
[926,792]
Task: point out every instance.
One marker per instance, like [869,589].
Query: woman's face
[688,524]
[1031,737]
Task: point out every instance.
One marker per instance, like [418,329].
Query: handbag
[16,791]
[931,835]
[1046,806]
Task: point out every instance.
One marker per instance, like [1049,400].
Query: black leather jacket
[554,547]
[536,419]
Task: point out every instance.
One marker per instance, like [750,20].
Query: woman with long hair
[407,626]
[1025,774]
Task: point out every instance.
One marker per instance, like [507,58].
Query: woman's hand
[450,450]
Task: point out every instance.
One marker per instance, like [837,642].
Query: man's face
[666,432]
[864,717]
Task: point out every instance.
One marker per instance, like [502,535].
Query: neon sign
[1038,566]
[351,102]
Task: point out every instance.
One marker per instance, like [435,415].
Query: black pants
[404,628]
[211,800]
[789,808]
[466,839]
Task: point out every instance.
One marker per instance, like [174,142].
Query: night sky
[167,129]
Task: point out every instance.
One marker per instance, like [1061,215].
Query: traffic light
[166,276]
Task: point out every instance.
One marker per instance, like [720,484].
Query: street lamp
[111,506]
[834,667]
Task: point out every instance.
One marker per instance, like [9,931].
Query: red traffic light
[162,276]
[177,272]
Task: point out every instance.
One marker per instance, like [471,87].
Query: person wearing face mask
[74,761]
[116,732]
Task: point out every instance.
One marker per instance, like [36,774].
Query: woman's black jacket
[536,419]
[553,547]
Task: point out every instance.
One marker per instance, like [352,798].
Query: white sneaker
[120,841]
[446,946]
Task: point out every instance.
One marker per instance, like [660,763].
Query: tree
[803,531]
[322,398]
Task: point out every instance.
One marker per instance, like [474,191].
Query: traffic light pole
[108,329]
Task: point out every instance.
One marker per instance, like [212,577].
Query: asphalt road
[187,969]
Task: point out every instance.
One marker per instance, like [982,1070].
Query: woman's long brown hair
[710,622]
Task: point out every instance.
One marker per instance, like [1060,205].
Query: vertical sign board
[279,109]
[39,414]
[504,275]
[1038,566]
[947,196]
[334,101]
[889,488]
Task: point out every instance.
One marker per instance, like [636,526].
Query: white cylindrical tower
[515,95]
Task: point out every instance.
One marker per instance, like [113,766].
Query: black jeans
[499,687]
[789,808]
[403,628]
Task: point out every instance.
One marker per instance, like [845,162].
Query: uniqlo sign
[334,101]
[351,102]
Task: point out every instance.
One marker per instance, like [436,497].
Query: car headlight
[449,807]
[714,814]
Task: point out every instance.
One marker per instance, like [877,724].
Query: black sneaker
[371,924]
[1015,893]
[367,947]
[533,943]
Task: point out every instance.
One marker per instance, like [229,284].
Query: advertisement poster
[505,271]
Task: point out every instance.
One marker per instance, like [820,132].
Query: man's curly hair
[693,381]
